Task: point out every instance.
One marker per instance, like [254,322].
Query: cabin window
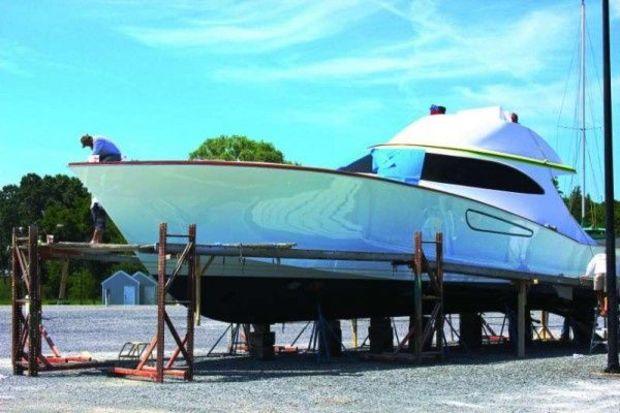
[483,222]
[477,173]
[400,164]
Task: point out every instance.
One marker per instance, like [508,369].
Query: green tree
[59,205]
[5,290]
[83,287]
[573,203]
[595,211]
[238,148]
[9,218]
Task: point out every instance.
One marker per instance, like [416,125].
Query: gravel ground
[550,380]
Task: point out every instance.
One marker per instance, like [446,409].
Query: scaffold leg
[27,329]
[185,346]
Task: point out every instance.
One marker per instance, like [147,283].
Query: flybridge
[489,131]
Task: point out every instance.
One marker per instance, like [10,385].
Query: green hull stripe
[495,154]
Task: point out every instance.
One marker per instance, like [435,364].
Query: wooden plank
[76,246]
[112,253]
[82,255]
[396,258]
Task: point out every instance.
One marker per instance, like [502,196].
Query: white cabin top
[483,131]
[482,155]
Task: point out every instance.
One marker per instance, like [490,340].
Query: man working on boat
[106,151]
[597,269]
[102,147]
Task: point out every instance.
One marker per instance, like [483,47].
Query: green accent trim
[486,152]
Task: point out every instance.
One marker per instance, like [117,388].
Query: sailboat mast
[583,111]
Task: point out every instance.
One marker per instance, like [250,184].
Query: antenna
[583,110]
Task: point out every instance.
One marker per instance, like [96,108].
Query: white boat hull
[321,209]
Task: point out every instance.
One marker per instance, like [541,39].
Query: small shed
[120,288]
[148,288]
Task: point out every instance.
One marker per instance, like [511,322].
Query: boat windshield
[411,165]
[399,164]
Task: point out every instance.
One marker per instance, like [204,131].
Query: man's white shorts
[599,282]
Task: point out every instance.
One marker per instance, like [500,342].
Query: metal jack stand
[238,339]
[239,334]
[599,336]
[27,330]
[453,334]
[185,346]
[324,338]
[420,336]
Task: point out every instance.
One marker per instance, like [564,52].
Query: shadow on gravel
[244,369]
[238,369]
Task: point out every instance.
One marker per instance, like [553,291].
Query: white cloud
[439,48]
[487,55]
[537,104]
[527,99]
[19,60]
[331,69]
[256,27]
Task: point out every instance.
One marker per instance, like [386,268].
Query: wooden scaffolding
[27,327]
[28,331]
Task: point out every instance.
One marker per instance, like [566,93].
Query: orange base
[496,339]
[52,363]
[148,372]
[286,349]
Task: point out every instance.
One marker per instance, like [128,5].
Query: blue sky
[321,80]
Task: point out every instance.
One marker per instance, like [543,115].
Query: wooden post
[521,303]
[354,332]
[34,333]
[191,292]
[161,301]
[544,321]
[439,323]
[197,288]
[417,296]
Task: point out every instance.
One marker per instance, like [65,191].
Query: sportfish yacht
[479,177]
